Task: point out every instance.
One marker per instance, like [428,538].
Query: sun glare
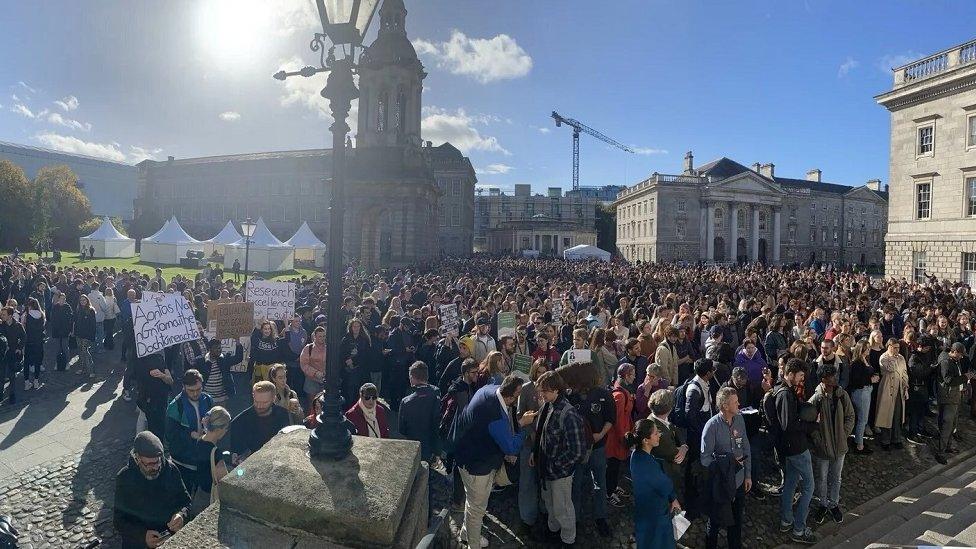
[234,30]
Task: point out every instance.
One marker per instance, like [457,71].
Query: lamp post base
[332,439]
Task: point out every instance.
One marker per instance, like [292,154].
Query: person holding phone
[151,501]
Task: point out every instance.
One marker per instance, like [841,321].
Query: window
[926,140]
[679,230]
[456,217]
[969,268]
[682,206]
[918,266]
[456,186]
[762,220]
[741,217]
[823,233]
[850,237]
[971,194]
[792,212]
[813,234]
[971,133]
[923,200]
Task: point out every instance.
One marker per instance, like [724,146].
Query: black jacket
[419,418]
[142,504]
[16,336]
[719,490]
[62,319]
[793,432]
[85,324]
[206,366]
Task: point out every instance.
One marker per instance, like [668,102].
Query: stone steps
[937,507]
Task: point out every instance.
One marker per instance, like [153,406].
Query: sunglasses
[369,397]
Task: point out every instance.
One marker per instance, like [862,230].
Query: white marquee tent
[585,251]
[169,244]
[308,247]
[227,235]
[109,242]
[267,253]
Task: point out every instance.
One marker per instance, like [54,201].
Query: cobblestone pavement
[60,450]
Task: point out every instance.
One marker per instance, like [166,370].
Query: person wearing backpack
[693,408]
[794,448]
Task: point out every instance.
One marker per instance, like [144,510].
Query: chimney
[814,175]
[170,158]
[767,170]
[874,185]
[756,166]
[689,163]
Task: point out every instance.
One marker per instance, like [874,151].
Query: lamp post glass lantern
[247,227]
[344,23]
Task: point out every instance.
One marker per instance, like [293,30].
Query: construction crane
[581,127]
[577,128]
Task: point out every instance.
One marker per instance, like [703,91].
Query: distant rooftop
[307,153]
[6,146]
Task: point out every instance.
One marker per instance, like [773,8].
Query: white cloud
[847,66]
[456,127]
[68,144]
[893,60]
[56,118]
[303,91]
[647,151]
[494,169]
[485,60]
[69,103]
[230,116]
[24,85]
[138,154]
[22,110]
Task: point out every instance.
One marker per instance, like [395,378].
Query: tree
[606,228]
[63,203]
[94,223]
[15,206]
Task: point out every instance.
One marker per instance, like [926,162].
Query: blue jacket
[485,434]
[419,418]
[181,420]
[653,494]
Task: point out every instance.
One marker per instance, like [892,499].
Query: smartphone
[165,534]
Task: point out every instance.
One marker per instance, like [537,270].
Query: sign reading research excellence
[272,300]
[160,321]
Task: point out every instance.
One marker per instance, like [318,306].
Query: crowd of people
[705,385]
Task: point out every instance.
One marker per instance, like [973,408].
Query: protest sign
[228,345]
[506,324]
[449,319]
[523,363]
[272,300]
[162,320]
[231,319]
[577,356]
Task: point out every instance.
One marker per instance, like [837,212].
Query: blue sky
[787,82]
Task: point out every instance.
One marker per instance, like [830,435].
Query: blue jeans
[99,336]
[861,398]
[528,487]
[593,470]
[797,470]
[828,480]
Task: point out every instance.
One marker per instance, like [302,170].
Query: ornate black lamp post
[344,23]
[247,227]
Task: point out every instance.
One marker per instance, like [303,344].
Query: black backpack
[678,415]
[769,409]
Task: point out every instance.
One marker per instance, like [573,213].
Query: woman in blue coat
[654,497]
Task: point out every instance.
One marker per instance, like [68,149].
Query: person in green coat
[654,497]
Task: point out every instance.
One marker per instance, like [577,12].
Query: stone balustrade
[935,64]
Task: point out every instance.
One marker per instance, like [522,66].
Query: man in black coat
[419,415]
[150,497]
[154,381]
[13,357]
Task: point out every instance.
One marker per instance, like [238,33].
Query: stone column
[776,237]
[515,240]
[710,232]
[755,233]
[733,231]
[702,230]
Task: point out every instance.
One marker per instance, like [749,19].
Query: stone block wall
[943,259]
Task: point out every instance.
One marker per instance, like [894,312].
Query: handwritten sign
[272,300]
[226,345]
[523,363]
[231,319]
[506,324]
[162,320]
[449,319]
[578,356]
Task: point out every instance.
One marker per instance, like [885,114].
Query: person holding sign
[579,344]
[265,351]
[215,367]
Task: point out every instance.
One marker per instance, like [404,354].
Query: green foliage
[606,228]
[51,208]
[90,226]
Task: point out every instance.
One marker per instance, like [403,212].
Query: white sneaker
[463,538]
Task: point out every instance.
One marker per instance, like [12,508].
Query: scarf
[372,424]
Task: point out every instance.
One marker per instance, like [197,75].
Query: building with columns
[406,200]
[540,233]
[495,207]
[723,211]
[932,214]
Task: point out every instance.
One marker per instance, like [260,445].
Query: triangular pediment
[748,182]
[864,193]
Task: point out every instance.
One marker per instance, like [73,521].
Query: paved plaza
[60,448]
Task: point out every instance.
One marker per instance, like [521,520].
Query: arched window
[762,220]
[399,110]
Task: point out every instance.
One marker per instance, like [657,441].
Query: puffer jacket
[836,422]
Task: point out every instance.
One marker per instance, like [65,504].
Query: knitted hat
[147,445]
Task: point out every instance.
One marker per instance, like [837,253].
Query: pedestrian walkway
[937,507]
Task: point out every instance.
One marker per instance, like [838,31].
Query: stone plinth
[279,497]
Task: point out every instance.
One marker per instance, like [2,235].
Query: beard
[150,474]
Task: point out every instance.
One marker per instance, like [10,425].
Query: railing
[662,178]
[936,64]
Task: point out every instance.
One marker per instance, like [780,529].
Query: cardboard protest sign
[228,345]
[231,319]
[272,300]
[506,324]
[577,356]
[162,320]
[449,319]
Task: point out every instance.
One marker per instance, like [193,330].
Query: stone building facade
[932,215]
[398,187]
[723,212]
[494,207]
[540,234]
